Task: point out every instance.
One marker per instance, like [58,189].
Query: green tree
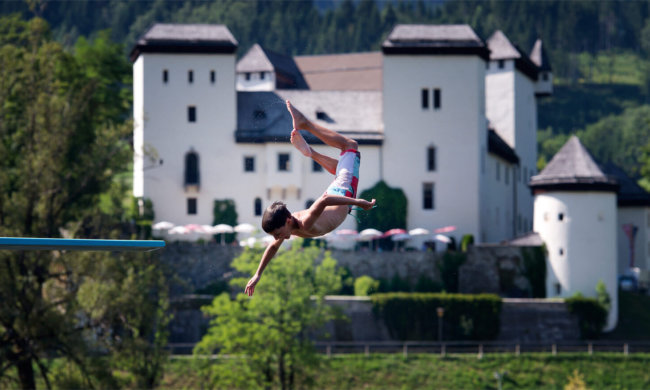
[393,205]
[271,330]
[365,285]
[63,138]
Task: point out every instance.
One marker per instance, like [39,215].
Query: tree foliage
[63,138]
[393,204]
[267,336]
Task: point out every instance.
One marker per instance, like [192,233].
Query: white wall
[138,125]
[457,129]
[498,198]
[580,250]
[255,81]
[166,130]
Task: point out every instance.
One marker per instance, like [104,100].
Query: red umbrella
[445,229]
[392,232]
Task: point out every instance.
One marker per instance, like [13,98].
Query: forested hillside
[599,50]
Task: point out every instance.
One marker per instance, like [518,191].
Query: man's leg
[329,137]
[299,142]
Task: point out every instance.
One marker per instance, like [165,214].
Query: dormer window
[247,75]
[502,64]
[262,75]
[321,115]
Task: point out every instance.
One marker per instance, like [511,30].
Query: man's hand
[364,204]
[250,287]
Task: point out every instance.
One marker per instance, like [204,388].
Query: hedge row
[413,316]
[591,314]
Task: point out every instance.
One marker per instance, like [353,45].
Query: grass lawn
[393,371]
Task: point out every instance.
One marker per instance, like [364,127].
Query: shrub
[413,316]
[448,268]
[426,284]
[365,285]
[591,315]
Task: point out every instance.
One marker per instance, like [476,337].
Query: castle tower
[184,110]
[576,217]
[434,123]
[511,108]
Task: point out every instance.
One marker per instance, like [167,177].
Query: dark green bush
[591,315]
[413,316]
[448,268]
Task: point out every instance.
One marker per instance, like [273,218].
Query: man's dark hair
[275,216]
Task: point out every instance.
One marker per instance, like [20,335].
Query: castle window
[428,200]
[191,113]
[316,167]
[560,217]
[436,98]
[431,159]
[191,206]
[165,76]
[213,76]
[502,64]
[284,162]
[262,75]
[247,76]
[249,164]
[425,98]
[192,169]
[190,76]
[258,207]
[558,288]
[561,252]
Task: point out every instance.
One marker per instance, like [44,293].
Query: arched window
[258,207]
[192,169]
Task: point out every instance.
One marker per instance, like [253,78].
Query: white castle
[440,113]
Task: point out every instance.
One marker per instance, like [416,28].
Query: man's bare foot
[299,142]
[299,120]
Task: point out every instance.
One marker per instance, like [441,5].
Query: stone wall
[495,269]
[198,265]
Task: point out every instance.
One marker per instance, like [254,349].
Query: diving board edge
[77,244]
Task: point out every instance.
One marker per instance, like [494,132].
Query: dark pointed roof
[629,192]
[434,39]
[539,57]
[259,59]
[502,49]
[574,169]
[185,38]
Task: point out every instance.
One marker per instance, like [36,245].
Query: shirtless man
[328,211]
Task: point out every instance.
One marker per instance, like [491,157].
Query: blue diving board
[74,244]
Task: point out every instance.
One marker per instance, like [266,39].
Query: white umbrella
[208,229]
[369,234]
[163,225]
[400,237]
[222,228]
[443,238]
[178,230]
[245,228]
[418,232]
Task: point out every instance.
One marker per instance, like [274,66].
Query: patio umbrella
[245,228]
[445,229]
[443,238]
[163,225]
[369,234]
[393,232]
[222,228]
[418,232]
[400,237]
[178,230]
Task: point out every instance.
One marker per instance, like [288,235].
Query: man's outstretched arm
[317,208]
[269,252]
